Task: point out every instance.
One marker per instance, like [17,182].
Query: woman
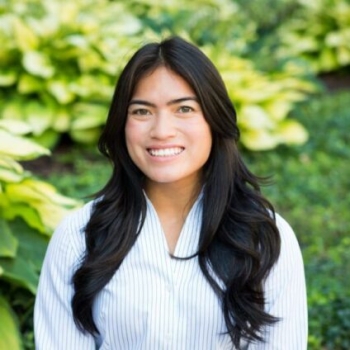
[179,250]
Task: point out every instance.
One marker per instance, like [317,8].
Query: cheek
[203,137]
[132,135]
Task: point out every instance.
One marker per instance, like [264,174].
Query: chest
[155,301]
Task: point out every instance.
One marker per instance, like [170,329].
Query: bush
[310,188]
[57,71]
[29,210]
[319,32]
[59,61]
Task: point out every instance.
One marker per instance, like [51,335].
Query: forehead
[162,83]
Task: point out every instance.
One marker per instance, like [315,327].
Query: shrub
[29,211]
[57,71]
[319,32]
[59,61]
[310,188]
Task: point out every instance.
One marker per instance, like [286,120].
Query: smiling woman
[179,250]
[167,136]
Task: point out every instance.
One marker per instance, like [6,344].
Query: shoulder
[69,234]
[78,218]
[290,255]
[286,232]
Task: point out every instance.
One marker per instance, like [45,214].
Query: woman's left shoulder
[290,248]
[285,229]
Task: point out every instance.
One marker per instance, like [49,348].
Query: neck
[172,199]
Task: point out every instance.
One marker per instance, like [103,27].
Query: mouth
[165,152]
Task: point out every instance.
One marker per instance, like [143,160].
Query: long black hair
[239,241]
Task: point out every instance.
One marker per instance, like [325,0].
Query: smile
[165,152]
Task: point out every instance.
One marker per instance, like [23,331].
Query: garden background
[286,64]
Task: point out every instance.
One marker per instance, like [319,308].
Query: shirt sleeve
[286,297]
[54,327]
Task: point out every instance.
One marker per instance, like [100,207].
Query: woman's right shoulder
[70,233]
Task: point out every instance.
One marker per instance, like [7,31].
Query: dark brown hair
[239,240]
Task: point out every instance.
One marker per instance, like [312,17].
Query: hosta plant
[59,61]
[263,101]
[29,211]
[201,21]
[319,32]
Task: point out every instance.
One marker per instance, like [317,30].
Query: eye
[141,111]
[185,109]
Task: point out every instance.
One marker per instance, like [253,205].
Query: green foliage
[58,64]
[204,22]
[60,60]
[263,101]
[329,296]
[9,334]
[88,173]
[310,188]
[29,210]
[268,14]
[320,33]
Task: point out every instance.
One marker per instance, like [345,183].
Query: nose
[163,127]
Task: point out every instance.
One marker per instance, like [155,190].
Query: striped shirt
[156,302]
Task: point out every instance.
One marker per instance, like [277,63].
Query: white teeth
[165,152]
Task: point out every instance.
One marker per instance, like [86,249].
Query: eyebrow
[171,102]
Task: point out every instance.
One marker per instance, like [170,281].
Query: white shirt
[156,302]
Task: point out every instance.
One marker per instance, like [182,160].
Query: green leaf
[8,77]
[328,60]
[9,244]
[10,170]
[9,333]
[32,244]
[37,63]
[44,198]
[28,84]
[343,55]
[25,38]
[259,139]
[61,91]
[254,117]
[48,139]
[88,136]
[25,211]
[88,115]
[16,127]
[292,132]
[13,109]
[90,61]
[39,116]
[24,269]
[21,272]
[61,121]
[19,147]
[8,175]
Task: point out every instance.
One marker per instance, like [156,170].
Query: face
[167,136]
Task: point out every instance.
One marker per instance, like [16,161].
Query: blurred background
[286,64]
